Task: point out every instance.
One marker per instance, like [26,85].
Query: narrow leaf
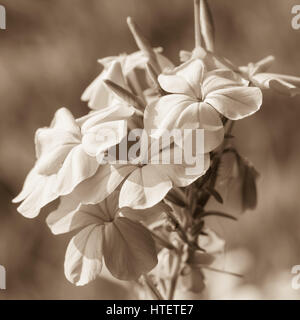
[172,198]
[218,214]
[215,194]
[224,271]
[249,191]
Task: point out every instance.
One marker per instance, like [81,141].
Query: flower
[124,70]
[64,157]
[256,73]
[196,100]
[126,246]
[145,181]
[56,171]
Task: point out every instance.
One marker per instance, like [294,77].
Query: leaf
[215,194]
[171,196]
[218,214]
[249,192]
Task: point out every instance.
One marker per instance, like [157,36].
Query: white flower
[61,164]
[284,84]
[124,70]
[197,99]
[105,233]
[65,156]
[144,184]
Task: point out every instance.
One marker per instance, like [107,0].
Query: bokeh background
[48,56]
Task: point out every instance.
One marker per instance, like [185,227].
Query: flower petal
[54,143]
[83,261]
[220,79]
[129,250]
[288,85]
[102,184]
[65,218]
[210,121]
[118,111]
[77,167]
[147,216]
[183,175]
[41,194]
[237,102]
[30,183]
[180,112]
[175,111]
[144,188]
[64,120]
[185,79]
[51,160]
[103,136]
[284,87]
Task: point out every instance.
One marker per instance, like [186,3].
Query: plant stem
[175,277]
[151,286]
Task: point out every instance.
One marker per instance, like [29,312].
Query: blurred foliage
[48,56]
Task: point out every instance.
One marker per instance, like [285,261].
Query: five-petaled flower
[198,98]
[105,232]
[63,159]
[281,83]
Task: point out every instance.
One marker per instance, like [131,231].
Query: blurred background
[48,56]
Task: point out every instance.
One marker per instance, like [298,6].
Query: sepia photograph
[150,150]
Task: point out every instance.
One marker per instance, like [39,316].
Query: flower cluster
[146,219]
